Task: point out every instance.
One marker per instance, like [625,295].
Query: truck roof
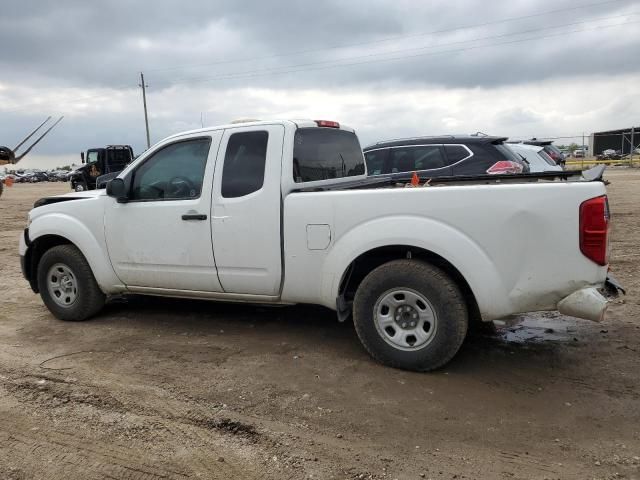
[299,123]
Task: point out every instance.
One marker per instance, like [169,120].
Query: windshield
[326,153]
[92,156]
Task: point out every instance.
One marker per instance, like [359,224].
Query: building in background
[623,140]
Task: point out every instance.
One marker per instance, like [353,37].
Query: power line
[387,39]
[326,64]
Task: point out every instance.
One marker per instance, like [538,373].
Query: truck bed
[400,180]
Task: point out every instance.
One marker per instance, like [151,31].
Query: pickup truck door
[246,210]
[161,237]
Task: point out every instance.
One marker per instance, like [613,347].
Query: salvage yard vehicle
[111,159]
[442,156]
[282,212]
[536,157]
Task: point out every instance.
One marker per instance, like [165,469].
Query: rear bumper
[589,303]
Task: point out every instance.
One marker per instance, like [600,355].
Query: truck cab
[97,162]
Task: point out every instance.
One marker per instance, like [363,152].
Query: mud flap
[343,308]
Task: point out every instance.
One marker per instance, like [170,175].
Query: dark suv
[443,156]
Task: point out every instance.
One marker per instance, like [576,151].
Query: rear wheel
[410,314]
[67,285]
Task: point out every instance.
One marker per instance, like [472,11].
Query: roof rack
[414,138]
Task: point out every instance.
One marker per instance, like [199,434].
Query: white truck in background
[282,212]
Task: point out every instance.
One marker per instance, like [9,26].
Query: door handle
[194,216]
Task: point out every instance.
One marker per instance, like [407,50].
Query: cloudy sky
[389,68]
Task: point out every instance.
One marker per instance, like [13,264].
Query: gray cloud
[107,43]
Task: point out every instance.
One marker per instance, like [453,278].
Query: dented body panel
[515,256]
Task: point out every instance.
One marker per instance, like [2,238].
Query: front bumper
[589,303]
[23,267]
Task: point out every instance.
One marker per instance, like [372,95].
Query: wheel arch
[58,229]
[364,263]
[38,248]
[396,236]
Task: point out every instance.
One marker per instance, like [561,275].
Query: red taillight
[505,166]
[594,229]
[327,124]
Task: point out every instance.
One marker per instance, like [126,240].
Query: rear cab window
[321,153]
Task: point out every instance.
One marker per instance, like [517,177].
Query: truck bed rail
[396,180]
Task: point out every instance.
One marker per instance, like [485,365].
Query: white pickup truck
[282,212]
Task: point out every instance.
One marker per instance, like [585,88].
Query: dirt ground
[179,389]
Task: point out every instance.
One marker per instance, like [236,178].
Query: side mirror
[117,189]
[82,156]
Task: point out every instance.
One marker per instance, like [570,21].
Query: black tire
[444,297]
[89,298]
[1,187]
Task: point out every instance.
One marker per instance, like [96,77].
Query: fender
[77,233]
[432,235]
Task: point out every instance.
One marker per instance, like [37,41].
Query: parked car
[443,156]
[38,176]
[282,212]
[610,154]
[553,151]
[59,176]
[536,157]
[579,153]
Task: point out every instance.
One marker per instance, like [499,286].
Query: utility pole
[144,102]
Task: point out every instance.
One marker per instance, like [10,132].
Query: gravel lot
[156,388]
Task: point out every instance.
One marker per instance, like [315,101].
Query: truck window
[325,153]
[92,156]
[244,163]
[175,172]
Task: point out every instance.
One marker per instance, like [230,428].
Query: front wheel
[410,314]
[67,285]
[80,187]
